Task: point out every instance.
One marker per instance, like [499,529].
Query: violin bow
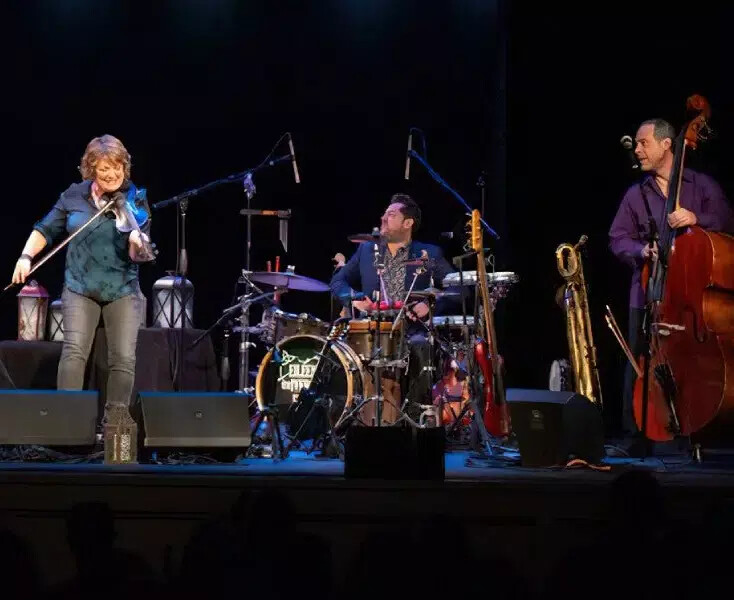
[41,262]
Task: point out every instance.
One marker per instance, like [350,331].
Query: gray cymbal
[290,281]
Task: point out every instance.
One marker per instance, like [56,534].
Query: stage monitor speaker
[48,417]
[195,419]
[394,453]
[555,427]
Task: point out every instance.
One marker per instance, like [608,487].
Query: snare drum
[360,337]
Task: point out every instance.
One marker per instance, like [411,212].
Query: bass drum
[291,366]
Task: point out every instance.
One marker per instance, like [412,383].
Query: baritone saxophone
[575,303]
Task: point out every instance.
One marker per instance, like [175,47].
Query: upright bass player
[640,216]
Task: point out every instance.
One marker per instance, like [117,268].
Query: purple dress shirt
[628,234]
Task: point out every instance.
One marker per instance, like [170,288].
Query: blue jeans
[122,320]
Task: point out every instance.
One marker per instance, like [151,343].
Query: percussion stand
[429,328]
[375,361]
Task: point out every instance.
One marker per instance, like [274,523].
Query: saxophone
[575,304]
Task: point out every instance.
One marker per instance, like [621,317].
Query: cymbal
[358,238]
[290,281]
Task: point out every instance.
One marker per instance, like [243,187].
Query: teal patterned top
[97,262]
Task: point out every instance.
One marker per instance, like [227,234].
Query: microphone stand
[182,200]
[455,194]
[481,184]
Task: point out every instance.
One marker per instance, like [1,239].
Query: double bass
[687,367]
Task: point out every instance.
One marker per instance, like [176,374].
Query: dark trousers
[635,339]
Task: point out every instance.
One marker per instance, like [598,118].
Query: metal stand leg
[272,412]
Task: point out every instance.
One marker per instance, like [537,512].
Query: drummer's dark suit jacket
[359,275]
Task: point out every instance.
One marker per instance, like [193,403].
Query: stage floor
[716,468]
[533,514]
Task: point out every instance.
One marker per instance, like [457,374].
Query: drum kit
[318,379]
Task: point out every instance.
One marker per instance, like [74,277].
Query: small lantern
[170,295]
[120,437]
[32,311]
[55,322]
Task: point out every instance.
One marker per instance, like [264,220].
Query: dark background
[536,98]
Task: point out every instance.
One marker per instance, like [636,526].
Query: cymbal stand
[246,300]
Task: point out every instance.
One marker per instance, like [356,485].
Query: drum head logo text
[296,373]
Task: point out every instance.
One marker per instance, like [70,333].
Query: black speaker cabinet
[195,419]
[394,453]
[555,427]
[48,417]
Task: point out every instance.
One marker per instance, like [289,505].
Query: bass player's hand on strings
[682,218]
[650,252]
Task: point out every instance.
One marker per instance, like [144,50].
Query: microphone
[293,159]
[407,157]
[629,145]
[249,185]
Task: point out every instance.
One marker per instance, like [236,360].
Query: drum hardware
[244,177]
[422,265]
[315,392]
[245,301]
[271,413]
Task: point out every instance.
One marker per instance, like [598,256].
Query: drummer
[357,283]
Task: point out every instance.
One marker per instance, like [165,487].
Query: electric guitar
[496,412]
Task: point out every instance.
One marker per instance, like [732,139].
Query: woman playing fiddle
[101,274]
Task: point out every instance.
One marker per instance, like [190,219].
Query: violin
[128,204]
[687,369]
